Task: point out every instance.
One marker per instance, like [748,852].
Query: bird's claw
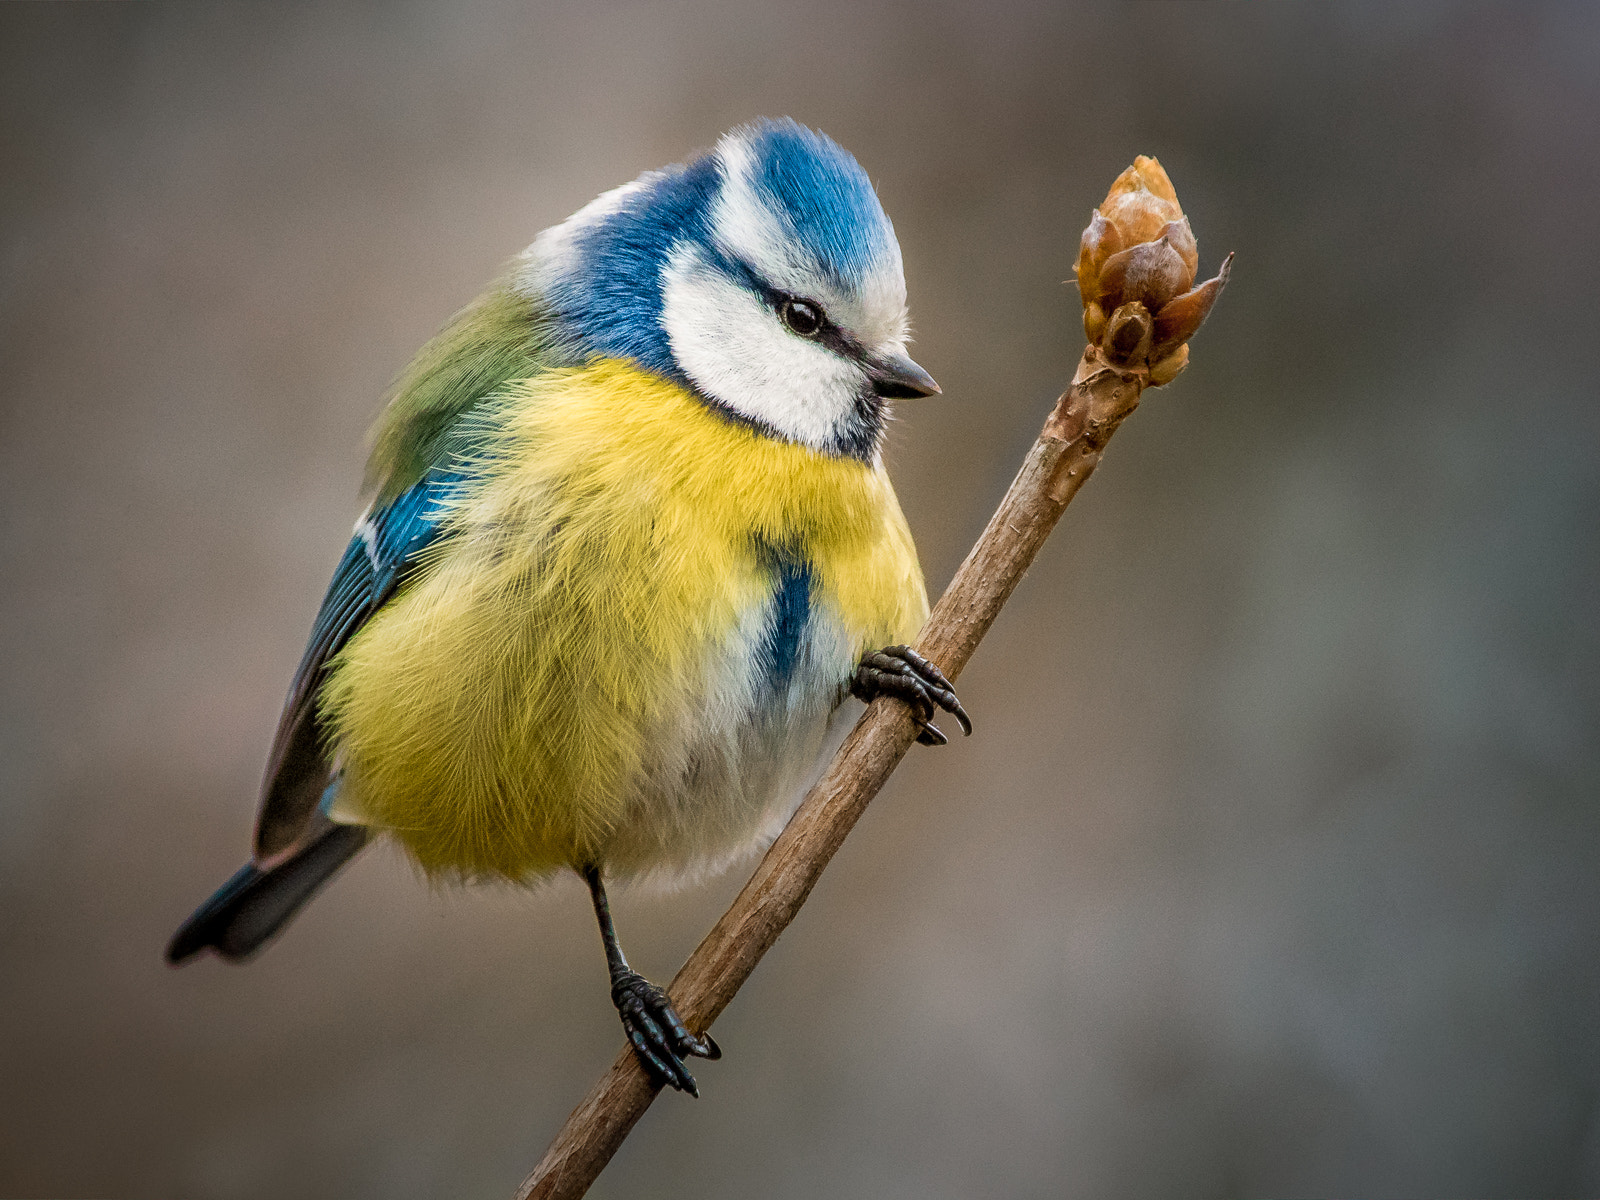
[900,671]
[659,1038]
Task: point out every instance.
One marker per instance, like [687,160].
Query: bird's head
[764,276]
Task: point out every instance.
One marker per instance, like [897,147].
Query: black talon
[901,672]
[656,1032]
[659,1038]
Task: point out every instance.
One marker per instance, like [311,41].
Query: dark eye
[801,316]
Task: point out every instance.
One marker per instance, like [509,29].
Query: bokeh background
[1271,866]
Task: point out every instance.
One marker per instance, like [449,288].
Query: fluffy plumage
[628,641]
[630,536]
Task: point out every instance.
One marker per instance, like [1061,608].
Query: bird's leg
[901,671]
[655,1031]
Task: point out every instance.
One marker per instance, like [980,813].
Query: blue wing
[381,556]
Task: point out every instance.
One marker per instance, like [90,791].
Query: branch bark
[1136,278]
[1062,459]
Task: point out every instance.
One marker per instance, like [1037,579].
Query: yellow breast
[498,714]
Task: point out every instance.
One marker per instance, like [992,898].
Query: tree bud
[1128,333]
[1165,370]
[1136,265]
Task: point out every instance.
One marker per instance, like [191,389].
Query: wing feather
[427,428]
[382,554]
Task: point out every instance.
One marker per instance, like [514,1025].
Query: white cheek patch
[732,345]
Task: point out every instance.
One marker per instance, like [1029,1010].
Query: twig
[1056,467]
[1066,453]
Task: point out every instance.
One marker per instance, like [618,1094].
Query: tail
[254,905]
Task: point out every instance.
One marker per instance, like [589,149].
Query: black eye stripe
[828,334]
[825,331]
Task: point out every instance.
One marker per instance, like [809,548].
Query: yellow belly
[576,677]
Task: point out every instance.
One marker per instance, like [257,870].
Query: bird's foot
[901,671]
[657,1034]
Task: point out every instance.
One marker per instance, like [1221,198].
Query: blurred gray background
[1269,870]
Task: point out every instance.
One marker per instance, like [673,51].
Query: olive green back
[498,338]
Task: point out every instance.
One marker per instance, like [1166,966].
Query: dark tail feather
[252,906]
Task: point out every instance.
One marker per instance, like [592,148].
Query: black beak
[898,378]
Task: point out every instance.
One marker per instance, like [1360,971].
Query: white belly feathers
[725,770]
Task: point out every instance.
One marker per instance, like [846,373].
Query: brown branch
[1066,453]
[1064,456]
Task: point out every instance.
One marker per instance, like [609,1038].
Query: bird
[630,558]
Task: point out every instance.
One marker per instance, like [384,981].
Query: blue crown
[606,297]
[823,194]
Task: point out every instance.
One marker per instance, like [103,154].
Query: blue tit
[631,547]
